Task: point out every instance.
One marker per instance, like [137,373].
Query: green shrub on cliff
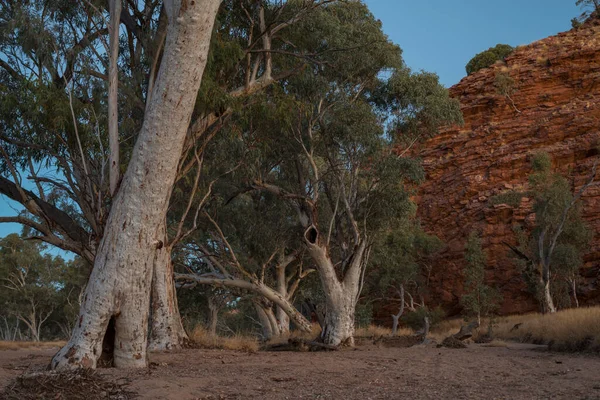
[488,58]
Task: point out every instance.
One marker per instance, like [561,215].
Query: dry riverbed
[367,372]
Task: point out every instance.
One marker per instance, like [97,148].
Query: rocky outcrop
[554,106]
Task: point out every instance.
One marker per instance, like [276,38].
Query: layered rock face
[554,106]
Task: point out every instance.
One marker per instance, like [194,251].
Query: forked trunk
[166,331]
[119,286]
[340,297]
[339,320]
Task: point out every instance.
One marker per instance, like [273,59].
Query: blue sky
[443,35]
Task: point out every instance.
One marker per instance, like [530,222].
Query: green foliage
[557,215]
[505,85]
[38,288]
[400,257]
[363,315]
[479,300]
[488,58]
[512,198]
[415,319]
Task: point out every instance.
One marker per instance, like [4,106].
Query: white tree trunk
[341,296]
[167,330]
[213,316]
[283,320]
[264,321]
[119,286]
[548,303]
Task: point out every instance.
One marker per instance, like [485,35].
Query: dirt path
[366,373]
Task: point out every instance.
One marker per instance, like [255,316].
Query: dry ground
[512,371]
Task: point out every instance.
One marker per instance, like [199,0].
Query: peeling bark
[119,286]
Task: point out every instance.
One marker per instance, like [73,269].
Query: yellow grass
[376,331]
[575,329]
[203,338]
[9,345]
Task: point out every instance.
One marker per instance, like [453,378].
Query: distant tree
[488,58]
[479,299]
[589,8]
[34,286]
[399,265]
[552,251]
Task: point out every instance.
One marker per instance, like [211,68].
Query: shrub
[488,58]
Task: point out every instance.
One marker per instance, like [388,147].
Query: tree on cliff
[589,7]
[552,250]
[488,58]
[479,299]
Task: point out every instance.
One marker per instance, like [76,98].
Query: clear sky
[443,35]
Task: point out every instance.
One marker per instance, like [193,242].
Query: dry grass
[202,338]
[576,329]
[377,331]
[10,345]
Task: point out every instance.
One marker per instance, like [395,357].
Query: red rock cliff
[556,109]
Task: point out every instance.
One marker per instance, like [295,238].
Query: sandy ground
[369,372]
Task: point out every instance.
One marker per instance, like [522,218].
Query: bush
[488,58]
[415,319]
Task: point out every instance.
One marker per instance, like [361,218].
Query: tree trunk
[396,317]
[264,321]
[340,297]
[213,316]
[548,303]
[167,330]
[283,320]
[119,286]
[574,287]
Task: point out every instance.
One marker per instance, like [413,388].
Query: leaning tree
[64,156]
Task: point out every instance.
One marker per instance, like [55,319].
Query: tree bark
[264,321]
[213,316]
[283,320]
[574,287]
[167,330]
[119,286]
[396,317]
[547,301]
[341,296]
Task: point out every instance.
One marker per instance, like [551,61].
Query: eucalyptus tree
[479,299]
[554,247]
[58,84]
[332,143]
[247,245]
[400,266]
[28,283]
